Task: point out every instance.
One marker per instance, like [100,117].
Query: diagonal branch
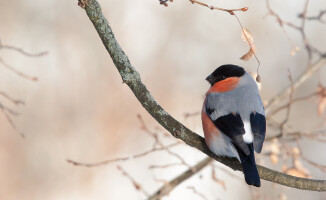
[169,186]
[132,78]
[297,83]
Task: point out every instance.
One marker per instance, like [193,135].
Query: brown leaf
[247,37]
[247,56]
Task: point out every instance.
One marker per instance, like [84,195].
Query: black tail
[249,166]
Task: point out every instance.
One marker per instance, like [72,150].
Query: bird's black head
[224,72]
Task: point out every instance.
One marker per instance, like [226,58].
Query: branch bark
[132,78]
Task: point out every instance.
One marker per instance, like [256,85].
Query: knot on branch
[129,76]
[83,3]
[164,2]
[176,134]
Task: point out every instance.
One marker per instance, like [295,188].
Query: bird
[233,118]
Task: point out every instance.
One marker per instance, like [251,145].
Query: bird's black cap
[225,71]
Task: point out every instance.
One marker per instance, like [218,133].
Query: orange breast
[225,85]
[209,128]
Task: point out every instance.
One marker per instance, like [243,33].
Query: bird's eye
[223,77]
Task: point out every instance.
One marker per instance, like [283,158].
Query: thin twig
[306,97]
[297,83]
[21,51]
[250,45]
[195,191]
[230,11]
[25,53]
[169,186]
[215,179]
[19,73]
[137,185]
[317,17]
[105,162]
[318,166]
[6,111]
[160,144]
[14,101]
[165,166]
[290,102]
[187,115]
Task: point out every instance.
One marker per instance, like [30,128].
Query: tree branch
[168,187]
[132,78]
[297,83]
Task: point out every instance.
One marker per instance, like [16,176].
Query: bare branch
[319,166]
[19,73]
[160,144]
[25,53]
[306,97]
[188,115]
[194,190]
[215,179]
[317,17]
[6,111]
[230,11]
[297,83]
[105,162]
[169,186]
[165,166]
[137,185]
[132,78]
[312,67]
[14,101]
[288,110]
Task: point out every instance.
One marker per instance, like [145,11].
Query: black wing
[232,126]
[258,127]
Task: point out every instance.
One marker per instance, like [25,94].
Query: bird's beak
[210,79]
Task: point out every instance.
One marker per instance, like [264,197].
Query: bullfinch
[233,118]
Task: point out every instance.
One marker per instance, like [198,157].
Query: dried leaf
[248,55]
[247,37]
[258,80]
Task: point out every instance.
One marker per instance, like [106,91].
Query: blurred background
[80,110]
